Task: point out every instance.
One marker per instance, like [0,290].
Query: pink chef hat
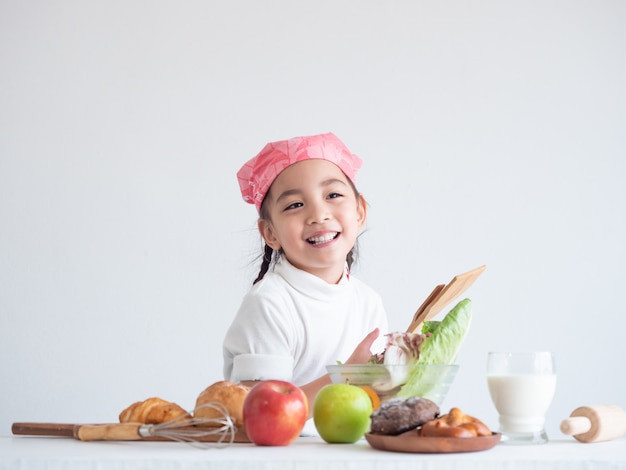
[257,175]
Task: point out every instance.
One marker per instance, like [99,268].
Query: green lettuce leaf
[430,327]
[441,347]
[447,335]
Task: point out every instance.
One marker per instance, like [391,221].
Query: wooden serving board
[410,441]
[111,432]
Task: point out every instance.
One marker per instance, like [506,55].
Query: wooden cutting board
[441,296]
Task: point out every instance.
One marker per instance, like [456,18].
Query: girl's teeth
[323,239]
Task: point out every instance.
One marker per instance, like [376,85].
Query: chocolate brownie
[398,415]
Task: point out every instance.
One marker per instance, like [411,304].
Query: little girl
[304,310]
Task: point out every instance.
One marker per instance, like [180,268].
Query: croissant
[152,411]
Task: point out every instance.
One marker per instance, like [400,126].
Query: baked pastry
[455,424]
[152,411]
[398,415]
[229,394]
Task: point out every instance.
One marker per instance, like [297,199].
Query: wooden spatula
[441,296]
[419,314]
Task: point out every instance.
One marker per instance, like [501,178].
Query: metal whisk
[195,431]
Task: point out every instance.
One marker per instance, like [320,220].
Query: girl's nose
[318,213]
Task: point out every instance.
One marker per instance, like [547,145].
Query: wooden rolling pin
[595,423]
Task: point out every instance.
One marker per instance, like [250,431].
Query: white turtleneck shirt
[294,314]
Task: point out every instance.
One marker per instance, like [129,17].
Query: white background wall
[492,133]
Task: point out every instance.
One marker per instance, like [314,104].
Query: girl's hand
[361,355]
[363,351]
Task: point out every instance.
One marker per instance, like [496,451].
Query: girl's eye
[295,205]
[333,195]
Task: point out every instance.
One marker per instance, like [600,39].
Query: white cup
[522,386]
[249,367]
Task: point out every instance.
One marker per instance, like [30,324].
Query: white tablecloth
[309,453]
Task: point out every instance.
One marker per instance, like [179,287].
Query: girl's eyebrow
[291,192]
[287,193]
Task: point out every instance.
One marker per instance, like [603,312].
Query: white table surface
[26,453]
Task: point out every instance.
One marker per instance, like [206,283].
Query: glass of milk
[521,385]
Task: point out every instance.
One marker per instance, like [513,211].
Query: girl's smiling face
[312,212]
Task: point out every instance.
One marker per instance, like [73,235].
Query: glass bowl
[430,381]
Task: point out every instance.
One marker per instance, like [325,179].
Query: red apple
[274,413]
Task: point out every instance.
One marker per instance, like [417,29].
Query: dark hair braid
[350,258]
[268,252]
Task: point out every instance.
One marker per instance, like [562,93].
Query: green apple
[341,413]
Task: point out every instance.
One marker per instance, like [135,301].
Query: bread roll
[229,394]
[455,424]
[152,411]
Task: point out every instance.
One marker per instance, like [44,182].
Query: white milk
[522,400]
